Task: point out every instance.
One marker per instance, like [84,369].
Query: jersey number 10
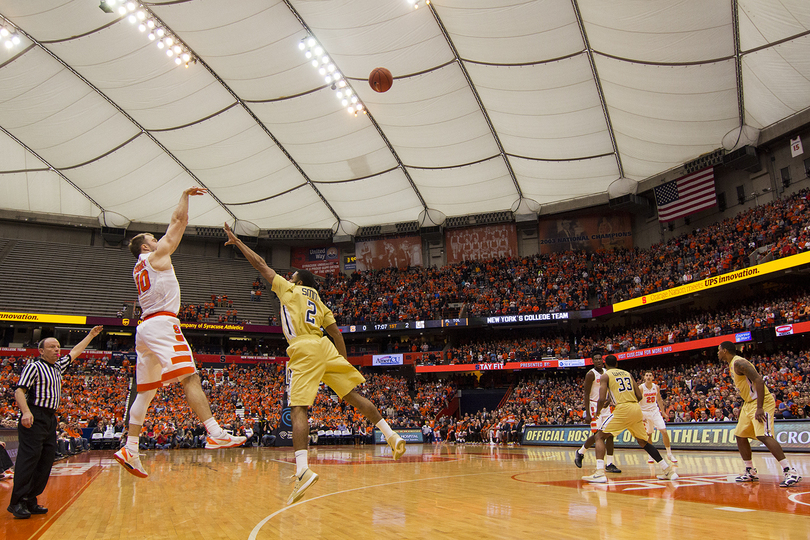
[142,281]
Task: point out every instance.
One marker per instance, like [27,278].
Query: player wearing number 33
[164,356]
[313,358]
[625,394]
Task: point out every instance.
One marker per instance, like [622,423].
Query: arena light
[164,38]
[9,36]
[323,63]
[415,3]
[107,6]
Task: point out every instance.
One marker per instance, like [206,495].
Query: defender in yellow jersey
[313,358]
[756,415]
[625,394]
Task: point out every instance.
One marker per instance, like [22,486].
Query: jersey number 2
[142,282]
[312,310]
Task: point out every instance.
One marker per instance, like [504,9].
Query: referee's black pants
[35,455]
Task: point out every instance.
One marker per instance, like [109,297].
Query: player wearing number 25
[313,358]
[164,356]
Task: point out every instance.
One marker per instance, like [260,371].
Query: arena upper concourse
[544,179]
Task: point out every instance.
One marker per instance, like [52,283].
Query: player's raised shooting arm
[253,258]
[337,337]
[177,226]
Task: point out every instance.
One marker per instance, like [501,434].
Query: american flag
[686,195]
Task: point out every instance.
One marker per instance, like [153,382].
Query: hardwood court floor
[435,491]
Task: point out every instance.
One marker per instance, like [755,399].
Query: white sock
[600,464]
[669,451]
[383,426]
[749,464]
[784,464]
[582,450]
[608,460]
[300,462]
[213,428]
[132,443]
[663,464]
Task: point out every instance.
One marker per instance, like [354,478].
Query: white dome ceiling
[493,102]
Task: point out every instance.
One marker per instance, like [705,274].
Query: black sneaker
[612,468]
[19,510]
[578,459]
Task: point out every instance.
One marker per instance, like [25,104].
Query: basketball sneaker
[130,462]
[612,468]
[750,475]
[596,478]
[650,460]
[397,445]
[668,473]
[578,457]
[791,478]
[672,459]
[226,440]
[302,483]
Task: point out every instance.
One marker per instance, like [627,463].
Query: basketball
[380,79]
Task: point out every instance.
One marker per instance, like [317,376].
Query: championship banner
[793,435]
[408,435]
[321,261]
[716,281]
[480,243]
[586,233]
[42,318]
[390,252]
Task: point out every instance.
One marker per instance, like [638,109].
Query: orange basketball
[380,79]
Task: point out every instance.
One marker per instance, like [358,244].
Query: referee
[37,394]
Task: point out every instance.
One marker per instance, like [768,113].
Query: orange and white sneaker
[226,440]
[130,462]
[397,445]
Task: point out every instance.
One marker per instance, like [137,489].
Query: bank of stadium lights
[319,59]
[10,37]
[149,24]
[415,3]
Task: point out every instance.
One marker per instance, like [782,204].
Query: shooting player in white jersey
[164,355]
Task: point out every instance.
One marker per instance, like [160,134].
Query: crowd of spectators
[572,280]
[247,399]
[732,317]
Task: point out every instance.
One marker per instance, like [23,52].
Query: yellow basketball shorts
[315,360]
[625,416]
[750,428]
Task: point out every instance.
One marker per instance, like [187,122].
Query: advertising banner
[716,281]
[480,243]
[320,261]
[283,432]
[42,318]
[408,435]
[390,252]
[793,435]
[586,233]
[387,360]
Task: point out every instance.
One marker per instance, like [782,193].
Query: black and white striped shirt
[44,381]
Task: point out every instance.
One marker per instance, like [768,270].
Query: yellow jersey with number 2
[302,312]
